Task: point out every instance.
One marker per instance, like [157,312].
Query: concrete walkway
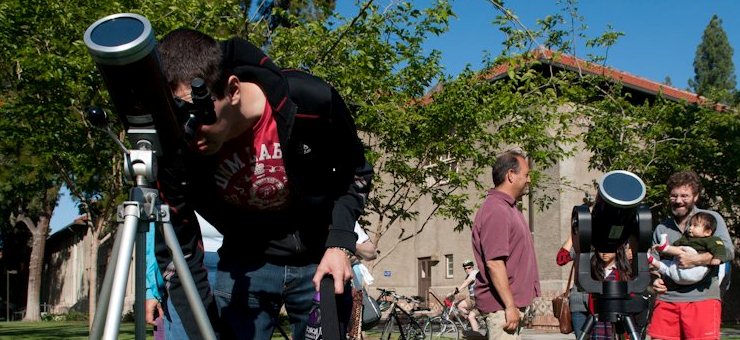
[532,334]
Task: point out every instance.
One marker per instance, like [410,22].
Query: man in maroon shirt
[504,250]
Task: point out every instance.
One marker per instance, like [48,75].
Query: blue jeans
[174,329]
[249,298]
[578,319]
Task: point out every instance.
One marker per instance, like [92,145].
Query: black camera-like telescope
[616,219]
[123,47]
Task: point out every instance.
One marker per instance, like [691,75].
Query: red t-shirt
[250,172]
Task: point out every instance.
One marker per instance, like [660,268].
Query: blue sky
[660,39]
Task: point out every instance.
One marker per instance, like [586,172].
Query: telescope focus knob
[96,116]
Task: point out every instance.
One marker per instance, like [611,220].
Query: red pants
[686,320]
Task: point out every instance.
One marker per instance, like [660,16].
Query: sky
[660,39]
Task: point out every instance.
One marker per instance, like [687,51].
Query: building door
[425,277]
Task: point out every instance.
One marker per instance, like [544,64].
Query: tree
[657,139]
[667,81]
[653,138]
[31,205]
[50,80]
[425,148]
[714,71]
[287,13]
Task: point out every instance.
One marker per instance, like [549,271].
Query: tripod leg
[630,324]
[96,332]
[183,271]
[140,280]
[587,327]
[123,265]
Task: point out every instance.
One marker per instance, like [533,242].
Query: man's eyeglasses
[466,267]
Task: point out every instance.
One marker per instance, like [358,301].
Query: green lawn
[68,330]
[77,330]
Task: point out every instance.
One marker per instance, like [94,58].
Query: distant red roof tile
[571,63]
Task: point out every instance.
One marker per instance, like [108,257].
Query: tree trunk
[35,266]
[92,272]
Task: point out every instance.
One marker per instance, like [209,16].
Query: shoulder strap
[329,313]
[570,278]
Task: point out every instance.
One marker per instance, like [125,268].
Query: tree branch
[323,56]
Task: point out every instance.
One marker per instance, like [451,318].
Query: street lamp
[7,293]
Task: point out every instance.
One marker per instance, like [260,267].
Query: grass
[77,330]
[68,330]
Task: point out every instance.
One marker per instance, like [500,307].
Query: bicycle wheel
[388,328]
[439,328]
[414,330]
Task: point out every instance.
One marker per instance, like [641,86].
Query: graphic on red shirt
[250,172]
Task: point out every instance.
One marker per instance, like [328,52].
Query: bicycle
[450,322]
[409,328]
[385,298]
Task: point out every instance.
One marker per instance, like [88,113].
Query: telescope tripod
[617,309]
[135,215]
[626,320]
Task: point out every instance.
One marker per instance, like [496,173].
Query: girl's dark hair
[623,266]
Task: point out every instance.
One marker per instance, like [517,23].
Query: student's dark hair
[186,54]
[705,219]
[623,265]
[506,161]
[682,178]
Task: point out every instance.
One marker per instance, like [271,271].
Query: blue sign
[387,273]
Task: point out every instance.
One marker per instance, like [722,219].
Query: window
[449,266]
[438,172]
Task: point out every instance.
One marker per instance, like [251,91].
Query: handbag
[370,308]
[561,307]
[370,311]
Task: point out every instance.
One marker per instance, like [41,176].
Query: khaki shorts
[495,322]
[470,301]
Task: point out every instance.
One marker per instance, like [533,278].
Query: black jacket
[328,176]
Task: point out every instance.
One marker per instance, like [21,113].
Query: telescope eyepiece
[203,101]
[198,113]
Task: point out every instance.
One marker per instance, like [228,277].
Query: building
[65,286]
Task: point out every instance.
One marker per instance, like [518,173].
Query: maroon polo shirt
[500,232]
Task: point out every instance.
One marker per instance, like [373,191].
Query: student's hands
[689,261]
[512,319]
[335,263]
[152,306]
[659,286]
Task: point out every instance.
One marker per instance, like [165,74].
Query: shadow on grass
[72,330]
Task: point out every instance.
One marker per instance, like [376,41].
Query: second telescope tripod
[137,214]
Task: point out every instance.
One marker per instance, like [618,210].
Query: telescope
[616,219]
[124,49]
